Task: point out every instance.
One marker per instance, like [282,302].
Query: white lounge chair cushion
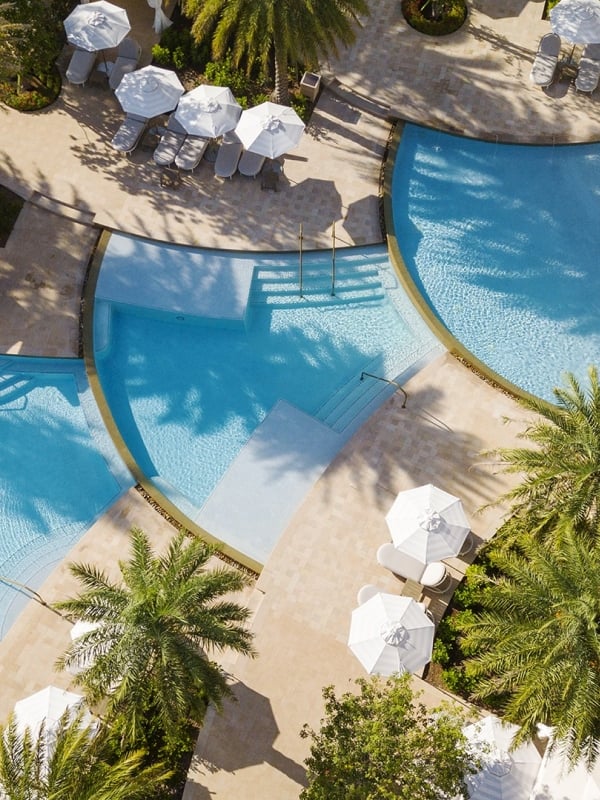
[588,75]
[129,134]
[80,66]
[543,70]
[366,592]
[434,574]
[228,157]
[191,152]
[250,164]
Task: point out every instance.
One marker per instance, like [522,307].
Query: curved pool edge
[452,344]
[149,488]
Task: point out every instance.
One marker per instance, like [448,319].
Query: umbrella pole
[300,238]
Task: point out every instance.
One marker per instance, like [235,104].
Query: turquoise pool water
[502,241]
[54,469]
[188,392]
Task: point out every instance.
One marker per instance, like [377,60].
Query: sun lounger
[228,156]
[250,164]
[191,152]
[170,143]
[128,56]
[366,592]
[270,175]
[433,576]
[588,74]
[80,67]
[127,138]
[545,62]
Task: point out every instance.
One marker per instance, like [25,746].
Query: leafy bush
[38,93]
[451,15]
[178,49]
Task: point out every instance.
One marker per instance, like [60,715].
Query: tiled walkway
[474,81]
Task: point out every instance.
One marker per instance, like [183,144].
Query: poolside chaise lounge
[545,62]
[191,152]
[228,156]
[250,164]
[588,74]
[127,138]
[270,175]
[80,66]
[433,576]
[128,56]
[170,143]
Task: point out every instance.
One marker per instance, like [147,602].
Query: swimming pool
[58,470]
[502,242]
[224,355]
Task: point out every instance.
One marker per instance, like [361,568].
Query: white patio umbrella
[149,91]
[208,111]
[79,629]
[428,523]
[578,21]
[269,129]
[97,26]
[47,706]
[506,774]
[557,780]
[390,633]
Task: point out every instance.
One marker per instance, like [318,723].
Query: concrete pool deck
[473,81]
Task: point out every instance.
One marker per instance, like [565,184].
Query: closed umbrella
[149,91]
[578,21]
[390,633]
[208,111]
[96,26]
[505,774]
[428,523]
[270,130]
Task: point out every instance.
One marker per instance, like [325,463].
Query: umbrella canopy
[97,26]
[506,774]
[577,20]
[46,706]
[79,629]
[149,91]
[391,634]
[269,129]
[208,111]
[428,523]
[557,779]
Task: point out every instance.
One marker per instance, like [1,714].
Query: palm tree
[80,765]
[561,485]
[149,652]
[536,643]
[278,32]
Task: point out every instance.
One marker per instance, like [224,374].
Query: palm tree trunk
[281,93]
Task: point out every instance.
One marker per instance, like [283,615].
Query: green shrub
[39,92]
[440,654]
[459,681]
[161,55]
[452,15]
[301,105]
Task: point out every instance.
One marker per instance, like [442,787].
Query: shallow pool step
[355,282]
[14,387]
[353,396]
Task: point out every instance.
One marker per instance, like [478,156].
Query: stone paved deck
[474,81]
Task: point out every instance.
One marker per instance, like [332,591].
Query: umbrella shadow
[244,739]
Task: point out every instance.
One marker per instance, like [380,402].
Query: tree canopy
[276,34]
[380,743]
[536,643]
[561,468]
[149,652]
[78,765]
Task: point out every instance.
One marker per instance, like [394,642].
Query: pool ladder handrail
[386,380]
[31,594]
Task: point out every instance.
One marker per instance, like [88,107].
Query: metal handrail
[386,380]
[32,594]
